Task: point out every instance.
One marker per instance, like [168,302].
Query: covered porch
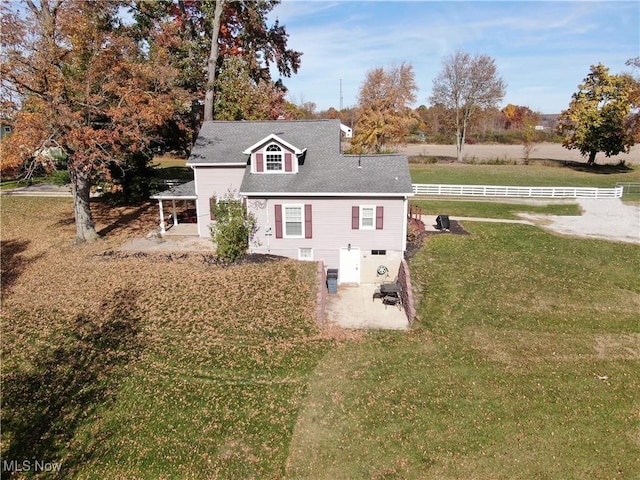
[180,219]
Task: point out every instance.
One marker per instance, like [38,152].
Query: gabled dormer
[274,155]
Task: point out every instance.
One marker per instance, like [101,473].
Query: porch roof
[184,191]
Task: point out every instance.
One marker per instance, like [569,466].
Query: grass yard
[524,175]
[169,161]
[148,366]
[523,362]
[491,209]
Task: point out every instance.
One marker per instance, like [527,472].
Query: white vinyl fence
[523,192]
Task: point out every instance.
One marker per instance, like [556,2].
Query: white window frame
[362,217]
[304,257]
[284,220]
[273,153]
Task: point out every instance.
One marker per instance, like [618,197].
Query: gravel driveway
[608,219]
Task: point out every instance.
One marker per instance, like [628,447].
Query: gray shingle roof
[324,169]
[347,174]
[224,142]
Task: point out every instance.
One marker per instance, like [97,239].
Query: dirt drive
[547,151]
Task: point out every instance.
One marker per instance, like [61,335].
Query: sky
[543,49]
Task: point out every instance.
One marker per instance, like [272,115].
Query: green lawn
[523,362]
[489,209]
[523,175]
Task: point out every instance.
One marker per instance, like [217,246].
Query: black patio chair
[377,294]
[392,300]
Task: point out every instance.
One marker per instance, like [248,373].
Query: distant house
[311,202]
[6,128]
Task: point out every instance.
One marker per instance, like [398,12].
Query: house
[6,128]
[310,201]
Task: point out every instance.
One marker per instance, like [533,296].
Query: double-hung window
[293,221]
[367,217]
[275,161]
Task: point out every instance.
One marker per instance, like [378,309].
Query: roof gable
[272,138]
[223,142]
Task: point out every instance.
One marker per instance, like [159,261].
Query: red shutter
[355,218]
[379,217]
[308,229]
[259,162]
[288,164]
[278,221]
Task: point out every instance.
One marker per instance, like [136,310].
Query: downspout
[268,223]
[404,224]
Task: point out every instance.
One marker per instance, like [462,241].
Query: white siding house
[310,201]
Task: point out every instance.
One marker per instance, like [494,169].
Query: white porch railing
[526,192]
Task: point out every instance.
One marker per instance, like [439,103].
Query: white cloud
[542,49]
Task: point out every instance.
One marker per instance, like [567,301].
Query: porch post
[175,215]
[162,230]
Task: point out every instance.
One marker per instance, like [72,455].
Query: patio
[353,307]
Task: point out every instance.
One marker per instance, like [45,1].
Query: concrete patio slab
[353,307]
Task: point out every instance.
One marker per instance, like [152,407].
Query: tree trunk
[461,130]
[81,189]
[459,145]
[213,61]
[592,157]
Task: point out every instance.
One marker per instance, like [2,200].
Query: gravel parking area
[607,219]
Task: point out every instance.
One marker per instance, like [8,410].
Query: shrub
[59,177]
[233,229]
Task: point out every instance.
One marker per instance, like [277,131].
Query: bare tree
[529,122]
[467,84]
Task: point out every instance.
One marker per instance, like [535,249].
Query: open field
[522,364]
[523,175]
[544,151]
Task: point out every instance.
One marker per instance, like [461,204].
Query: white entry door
[349,265]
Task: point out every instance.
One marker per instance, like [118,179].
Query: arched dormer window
[275,158]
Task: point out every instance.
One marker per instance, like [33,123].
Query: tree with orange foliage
[86,88]
[515,116]
[384,113]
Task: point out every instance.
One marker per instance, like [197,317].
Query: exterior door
[349,265]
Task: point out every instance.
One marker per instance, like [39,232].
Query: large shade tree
[384,108]
[86,88]
[466,85]
[597,119]
[239,97]
[206,32]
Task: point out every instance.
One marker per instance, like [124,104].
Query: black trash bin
[332,280]
[442,222]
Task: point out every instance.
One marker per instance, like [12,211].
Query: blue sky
[543,50]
